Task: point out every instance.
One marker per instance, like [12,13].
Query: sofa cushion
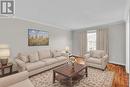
[24,83]
[94,60]
[44,54]
[23,57]
[57,53]
[61,58]
[33,57]
[50,61]
[35,65]
[97,53]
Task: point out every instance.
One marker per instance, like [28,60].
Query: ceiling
[71,14]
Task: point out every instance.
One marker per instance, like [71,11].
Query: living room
[63,44]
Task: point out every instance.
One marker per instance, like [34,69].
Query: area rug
[96,78]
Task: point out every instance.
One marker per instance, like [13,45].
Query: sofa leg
[103,69]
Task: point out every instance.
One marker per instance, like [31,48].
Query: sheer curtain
[102,42]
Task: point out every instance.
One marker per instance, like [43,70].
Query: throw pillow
[23,57]
[34,57]
[44,54]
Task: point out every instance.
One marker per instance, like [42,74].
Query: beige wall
[14,32]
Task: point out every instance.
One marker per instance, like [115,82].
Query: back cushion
[44,53]
[97,53]
[57,53]
[34,57]
[24,57]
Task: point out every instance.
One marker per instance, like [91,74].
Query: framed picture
[38,37]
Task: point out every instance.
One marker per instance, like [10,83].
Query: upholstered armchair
[97,59]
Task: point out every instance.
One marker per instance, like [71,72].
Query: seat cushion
[24,83]
[61,58]
[44,54]
[49,61]
[35,65]
[94,60]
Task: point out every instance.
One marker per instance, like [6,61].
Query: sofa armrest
[21,64]
[86,56]
[12,79]
[105,58]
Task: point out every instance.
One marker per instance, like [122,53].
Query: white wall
[128,43]
[116,41]
[14,32]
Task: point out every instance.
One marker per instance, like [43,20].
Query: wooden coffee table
[67,72]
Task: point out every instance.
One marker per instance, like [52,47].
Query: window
[91,40]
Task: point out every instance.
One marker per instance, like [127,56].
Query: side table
[2,68]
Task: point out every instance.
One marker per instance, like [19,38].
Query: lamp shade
[4,53]
[67,48]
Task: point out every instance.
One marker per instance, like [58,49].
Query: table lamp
[67,49]
[4,54]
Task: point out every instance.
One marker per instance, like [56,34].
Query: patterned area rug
[96,78]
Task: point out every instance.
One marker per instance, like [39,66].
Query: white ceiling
[71,14]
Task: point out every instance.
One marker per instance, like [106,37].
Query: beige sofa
[97,59]
[16,80]
[36,62]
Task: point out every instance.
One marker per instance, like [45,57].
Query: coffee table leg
[70,82]
[54,75]
[2,70]
[86,71]
[11,70]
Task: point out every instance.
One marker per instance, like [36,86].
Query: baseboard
[117,63]
[127,71]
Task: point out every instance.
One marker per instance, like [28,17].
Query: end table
[3,67]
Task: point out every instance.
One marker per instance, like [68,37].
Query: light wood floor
[121,78]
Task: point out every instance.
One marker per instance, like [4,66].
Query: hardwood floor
[121,78]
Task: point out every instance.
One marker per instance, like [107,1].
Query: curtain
[83,42]
[102,40]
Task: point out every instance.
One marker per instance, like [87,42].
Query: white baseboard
[127,71]
[116,63]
